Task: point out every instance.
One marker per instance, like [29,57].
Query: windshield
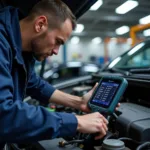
[136,57]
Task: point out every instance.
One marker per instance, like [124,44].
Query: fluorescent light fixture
[96,40]
[75,40]
[79,28]
[146,32]
[136,48]
[126,7]
[96,5]
[114,62]
[122,30]
[145,20]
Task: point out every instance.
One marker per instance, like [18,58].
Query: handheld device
[107,94]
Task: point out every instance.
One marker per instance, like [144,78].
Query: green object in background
[51,109]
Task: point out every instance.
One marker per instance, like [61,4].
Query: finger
[105,127]
[118,105]
[104,119]
[98,136]
[94,87]
[101,134]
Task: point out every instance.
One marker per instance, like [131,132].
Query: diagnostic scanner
[107,94]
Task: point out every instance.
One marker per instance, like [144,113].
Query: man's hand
[92,123]
[85,98]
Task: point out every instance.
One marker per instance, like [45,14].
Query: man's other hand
[92,123]
[85,98]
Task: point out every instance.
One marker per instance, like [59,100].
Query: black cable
[144,145]
[64,143]
[74,141]
[15,146]
[115,116]
[129,139]
[110,135]
[6,147]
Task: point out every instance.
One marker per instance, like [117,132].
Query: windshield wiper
[126,73]
[141,71]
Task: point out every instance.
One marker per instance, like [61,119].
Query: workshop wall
[85,49]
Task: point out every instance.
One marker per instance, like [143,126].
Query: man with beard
[37,36]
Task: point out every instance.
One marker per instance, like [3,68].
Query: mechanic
[22,41]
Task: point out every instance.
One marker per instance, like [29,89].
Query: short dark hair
[56,12]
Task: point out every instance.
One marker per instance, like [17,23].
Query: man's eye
[58,42]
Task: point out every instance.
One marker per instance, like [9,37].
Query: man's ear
[41,24]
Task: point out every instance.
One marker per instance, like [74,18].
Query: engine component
[53,145]
[113,144]
[144,145]
[81,90]
[134,122]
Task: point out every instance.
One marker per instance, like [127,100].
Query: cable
[129,139]
[110,135]
[144,145]
[115,116]
[6,147]
[64,143]
[15,147]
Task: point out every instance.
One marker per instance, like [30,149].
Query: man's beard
[38,57]
[37,46]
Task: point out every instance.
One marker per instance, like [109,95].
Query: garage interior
[112,39]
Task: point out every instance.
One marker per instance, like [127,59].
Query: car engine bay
[129,126]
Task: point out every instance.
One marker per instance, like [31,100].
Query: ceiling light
[122,30]
[75,40]
[146,32]
[96,5]
[79,28]
[127,6]
[96,40]
[145,20]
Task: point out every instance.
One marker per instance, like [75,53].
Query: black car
[138,57]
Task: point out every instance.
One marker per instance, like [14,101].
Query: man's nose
[56,50]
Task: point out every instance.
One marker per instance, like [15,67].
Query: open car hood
[78,7]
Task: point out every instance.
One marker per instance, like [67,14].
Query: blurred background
[106,29]
[103,32]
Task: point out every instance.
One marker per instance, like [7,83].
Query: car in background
[134,60]
[70,70]
[137,59]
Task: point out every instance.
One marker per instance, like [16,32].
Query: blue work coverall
[19,121]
